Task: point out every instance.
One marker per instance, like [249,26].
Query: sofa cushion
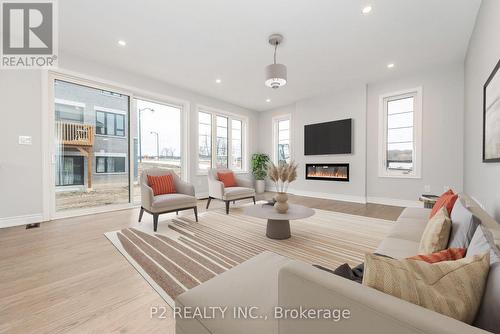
[172,201]
[227,178]
[398,248]
[449,254]
[408,229]
[254,283]
[463,226]
[487,317]
[436,233]
[447,200]
[237,192]
[452,288]
[161,184]
[418,213]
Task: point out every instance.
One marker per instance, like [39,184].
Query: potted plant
[259,171]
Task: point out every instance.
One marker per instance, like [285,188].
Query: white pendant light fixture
[275,73]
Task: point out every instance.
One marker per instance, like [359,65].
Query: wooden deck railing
[74,134]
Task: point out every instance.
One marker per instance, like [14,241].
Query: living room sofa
[270,280]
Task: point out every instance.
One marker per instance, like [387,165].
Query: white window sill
[205,173]
[400,176]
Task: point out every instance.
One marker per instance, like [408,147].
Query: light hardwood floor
[66,277]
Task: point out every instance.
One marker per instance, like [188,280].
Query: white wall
[21,109]
[20,165]
[349,103]
[442,137]
[482,180]
[442,142]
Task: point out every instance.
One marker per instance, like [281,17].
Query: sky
[166,120]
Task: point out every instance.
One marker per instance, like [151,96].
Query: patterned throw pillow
[446,200]
[227,178]
[163,184]
[452,288]
[450,254]
[436,233]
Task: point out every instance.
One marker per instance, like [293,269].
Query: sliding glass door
[91,142]
[158,139]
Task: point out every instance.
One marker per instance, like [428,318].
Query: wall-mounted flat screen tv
[328,138]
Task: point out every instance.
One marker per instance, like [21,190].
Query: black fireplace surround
[328,172]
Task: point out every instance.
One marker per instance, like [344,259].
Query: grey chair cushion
[487,317]
[463,226]
[237,192]
[172,201]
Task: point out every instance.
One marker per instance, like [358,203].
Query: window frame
[70,104]
[114,112]
[214,113]
[106,157]
[275,123]
[416,173]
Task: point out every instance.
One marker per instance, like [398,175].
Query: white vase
[281,204]
[260,186]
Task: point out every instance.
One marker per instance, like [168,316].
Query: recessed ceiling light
[391,65]
[268,100]
[122,42]
[218,80]
[366,10]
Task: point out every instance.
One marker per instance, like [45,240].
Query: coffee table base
[278,229]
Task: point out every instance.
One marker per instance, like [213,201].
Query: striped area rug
[183,253]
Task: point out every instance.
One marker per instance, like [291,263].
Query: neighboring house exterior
[92,137]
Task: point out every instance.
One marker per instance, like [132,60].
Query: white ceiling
[328,43]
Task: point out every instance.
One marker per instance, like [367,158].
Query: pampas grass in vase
[282,175]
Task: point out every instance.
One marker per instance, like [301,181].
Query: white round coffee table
[278,224]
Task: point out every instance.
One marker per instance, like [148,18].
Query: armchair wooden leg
[141,213]
[227,207]
[253,200]
[208,202]
[155,221]
[196,213]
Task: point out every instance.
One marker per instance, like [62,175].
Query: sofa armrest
[244,181]
[371,311]
[183,187]
[215,189]
[146,196]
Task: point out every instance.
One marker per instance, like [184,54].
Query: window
[69,171]
[236,145]
[400,117]
[204,141]
[281,132]
[221,142]
[110,124]
[225,134]
[69,111]
[110,164]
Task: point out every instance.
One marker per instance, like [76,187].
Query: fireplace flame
[335,173]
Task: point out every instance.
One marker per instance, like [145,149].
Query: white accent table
[278,224]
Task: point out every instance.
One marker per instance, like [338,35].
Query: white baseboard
[395,202]
[20,220]
[336,197]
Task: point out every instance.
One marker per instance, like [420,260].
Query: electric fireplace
[329,172]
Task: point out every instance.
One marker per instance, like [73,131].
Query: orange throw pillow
[227,178]
[450,254]
[447,200]
[163,184]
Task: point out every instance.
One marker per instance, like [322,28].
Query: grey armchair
[183,199]
[216,190]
